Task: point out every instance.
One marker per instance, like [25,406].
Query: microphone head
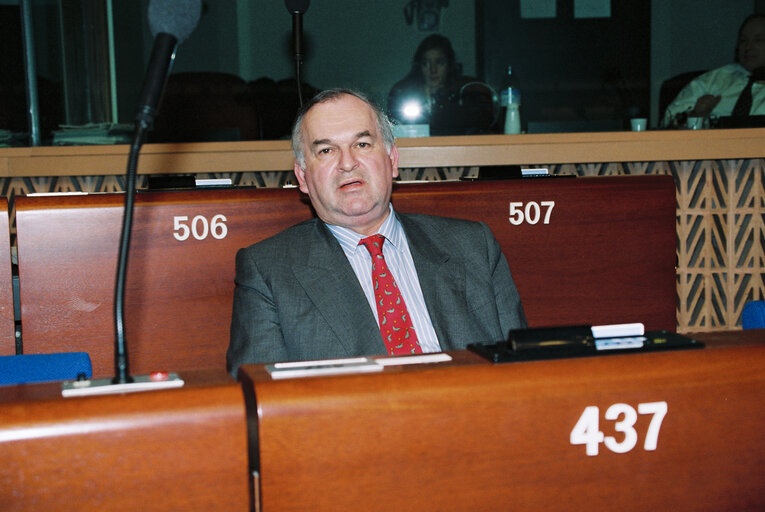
[178,18]
[297,6]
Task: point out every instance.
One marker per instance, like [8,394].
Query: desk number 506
[587,431]
[199,227]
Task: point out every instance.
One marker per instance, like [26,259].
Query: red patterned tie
[395,325]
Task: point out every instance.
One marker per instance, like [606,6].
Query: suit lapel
[442,281]
[329,281]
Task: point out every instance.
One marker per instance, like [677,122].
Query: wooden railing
[477,150]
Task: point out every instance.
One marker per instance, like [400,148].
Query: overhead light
[411,110]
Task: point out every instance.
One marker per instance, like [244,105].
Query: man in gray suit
[307,292]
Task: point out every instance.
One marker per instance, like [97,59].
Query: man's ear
[300,175]
[393,155]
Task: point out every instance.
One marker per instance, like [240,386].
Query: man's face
[348,174]
[751,44]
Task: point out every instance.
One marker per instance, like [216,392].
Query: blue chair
[29,368]
[753,315]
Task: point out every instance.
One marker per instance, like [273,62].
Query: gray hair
[383,123]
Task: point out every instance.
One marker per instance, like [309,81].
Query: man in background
[723,91]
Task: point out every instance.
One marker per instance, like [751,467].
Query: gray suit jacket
[297,297]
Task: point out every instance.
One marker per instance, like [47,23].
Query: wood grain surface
[182,449]
[473,436]
[7,325]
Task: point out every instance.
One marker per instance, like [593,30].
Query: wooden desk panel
[473,436]
[182,449]
[7,321]
[178,293]
[609,248]
[606,256]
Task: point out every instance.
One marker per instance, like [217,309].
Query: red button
[158,376]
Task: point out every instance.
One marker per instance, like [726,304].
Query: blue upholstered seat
[753,316]
[31,368]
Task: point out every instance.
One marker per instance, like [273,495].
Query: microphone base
[152,382]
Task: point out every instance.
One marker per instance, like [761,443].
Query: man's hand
[704,105]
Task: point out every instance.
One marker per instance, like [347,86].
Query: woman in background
[434,81]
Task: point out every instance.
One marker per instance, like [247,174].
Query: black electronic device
[512,172]
[171,182]
[576,341]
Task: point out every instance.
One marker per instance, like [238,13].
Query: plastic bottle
[511,102]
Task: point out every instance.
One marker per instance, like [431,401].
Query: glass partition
[580,65]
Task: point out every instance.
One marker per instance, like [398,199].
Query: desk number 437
[587,429]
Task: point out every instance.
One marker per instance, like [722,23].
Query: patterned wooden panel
[720,241]
[720,223]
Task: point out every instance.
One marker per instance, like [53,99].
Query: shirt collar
[738,68]
[391,229]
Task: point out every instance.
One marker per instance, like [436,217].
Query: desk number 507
[587,431]
[531,212]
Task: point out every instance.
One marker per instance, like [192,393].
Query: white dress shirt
[727,82]
[400,263]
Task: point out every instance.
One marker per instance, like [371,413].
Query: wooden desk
[588,250]
[178,292]
[7,321]
[182,449]
[469,435]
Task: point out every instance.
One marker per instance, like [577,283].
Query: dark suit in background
[297,297]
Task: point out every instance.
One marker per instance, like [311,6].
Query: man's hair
[383,123]
[751,17]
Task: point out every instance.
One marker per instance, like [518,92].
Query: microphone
[171,22]
[297,8]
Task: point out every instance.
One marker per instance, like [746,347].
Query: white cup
[695,123]
[638,124]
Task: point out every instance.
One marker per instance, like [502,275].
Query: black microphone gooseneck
[171,22]
[297,8]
